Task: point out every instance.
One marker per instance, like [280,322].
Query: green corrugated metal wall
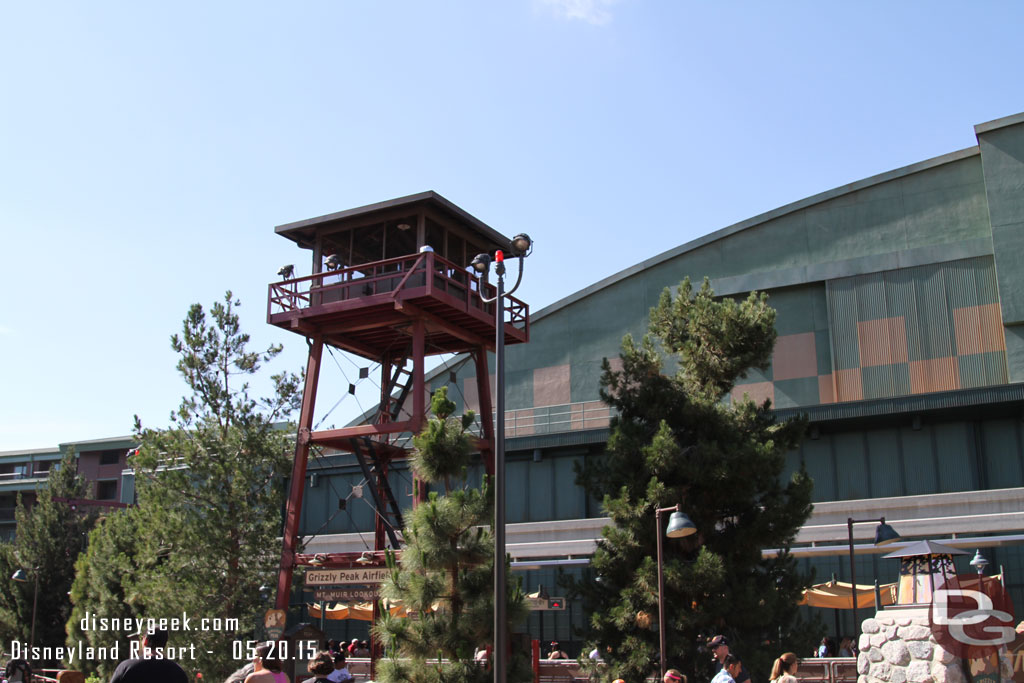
[916,330]
[936,458]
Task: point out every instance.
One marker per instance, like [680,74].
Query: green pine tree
[210,492]
[104,587]
[50,536]
[677,438]
[445,576]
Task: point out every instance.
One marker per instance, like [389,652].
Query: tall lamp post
[521,247]
[979,562]
[884,535]
[679,525]
[21,576]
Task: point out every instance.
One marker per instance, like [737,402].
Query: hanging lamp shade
[679,525]
[885,534]
[20,576]
[979,562]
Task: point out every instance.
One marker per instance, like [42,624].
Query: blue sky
[148,150]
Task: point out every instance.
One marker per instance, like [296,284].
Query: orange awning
[362,611]
[837,595]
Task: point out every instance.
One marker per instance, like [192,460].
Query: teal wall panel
[886,380]
[843,317]
[1015,352]
[796,392]
[542,489]
[946,204]
[820,464]
[1002,453]
[570,501]
[585,379]
[983,369]
[866,222]
[919,472]
[518,388]
[954,450]
[799,309]
[759,247]
[934,313]
[1002,156]
[885,463]
[823,351]
[517,506]
[851,466]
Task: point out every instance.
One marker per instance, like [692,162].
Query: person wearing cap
[556,653]
[341,674]
[150,666]
[730,671]
[719,646]
[673,676]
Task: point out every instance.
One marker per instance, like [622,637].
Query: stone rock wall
[897,646]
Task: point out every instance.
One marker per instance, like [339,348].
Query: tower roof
[303,232]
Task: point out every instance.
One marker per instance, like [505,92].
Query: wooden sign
[331,577]
[354,594]
[273,623]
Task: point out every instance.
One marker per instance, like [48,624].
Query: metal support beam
[483,390]
[378,506]
[298,480]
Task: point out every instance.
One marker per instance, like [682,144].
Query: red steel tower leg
[483,390]
[419,397]
[298,481]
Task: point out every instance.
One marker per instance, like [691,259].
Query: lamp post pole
[500,606]
[883,534]
[521,246]
[661,589]
[679,526]
[21,577]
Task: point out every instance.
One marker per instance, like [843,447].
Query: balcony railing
[18,476]
[391,277]
[543,420]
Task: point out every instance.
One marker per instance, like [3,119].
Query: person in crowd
[784,668]
[238,676]
[846,648]
[266,667]
[321,666]
[730,671]
[363,650]
[341,673]
[150,666]
[719,647]
[481,654]
[673,676]
[333,646]
[352,647]
[556,652]
[17,671]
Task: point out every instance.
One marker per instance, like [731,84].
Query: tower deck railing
[398,278]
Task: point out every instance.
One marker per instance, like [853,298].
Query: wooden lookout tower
[389,282]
